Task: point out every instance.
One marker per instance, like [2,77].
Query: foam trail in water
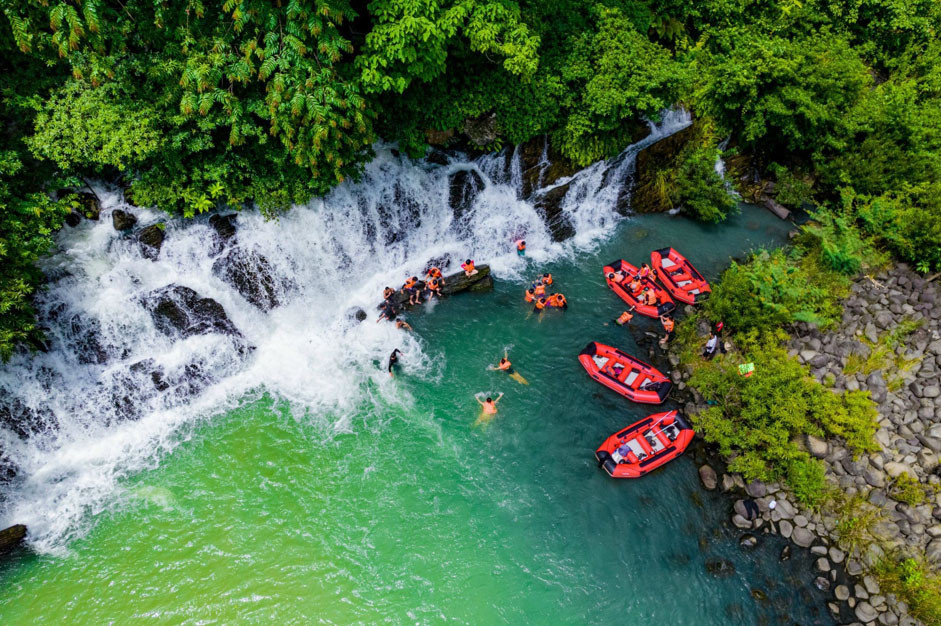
[113,394]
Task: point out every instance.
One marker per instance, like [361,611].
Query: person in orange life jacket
[468,267]
[644,271]
[433,287]
[625,317]
[635,284]
[540,304]
[411,288]
[547,279]
[433,272]
[668,326]
[557,300]
[540,289]
[616,277]
[530,295]
[521,248]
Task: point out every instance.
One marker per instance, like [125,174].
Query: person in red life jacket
[547,279]
[557,300]
[433,287]
[521,248]
[718,333]
[530,295]
[468,267]
[668,325]
[625,317]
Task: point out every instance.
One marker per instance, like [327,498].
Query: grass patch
[910,490]
[856,521]
[884,354]
[913,582]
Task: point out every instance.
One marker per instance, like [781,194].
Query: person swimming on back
[505,366]
[625,317]
[468,267]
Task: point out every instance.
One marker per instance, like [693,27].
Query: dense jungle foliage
[202,103]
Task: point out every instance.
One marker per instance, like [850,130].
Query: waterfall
[119,386]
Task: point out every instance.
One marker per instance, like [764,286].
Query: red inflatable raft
[645,445]
[679,276]
[630,377]
[624,292]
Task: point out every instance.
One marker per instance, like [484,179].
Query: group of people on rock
[413,292]
[537,295]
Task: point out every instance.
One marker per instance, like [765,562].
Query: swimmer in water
[505,366]
[394,361]
[488,409]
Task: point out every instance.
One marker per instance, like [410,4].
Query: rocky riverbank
[889,342]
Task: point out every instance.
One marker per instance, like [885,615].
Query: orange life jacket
[541,303]
[635,285]
[652,298]
[644,272]
[557,300]
[529,296]
[668,325]
[547,279]
[408,284]
[521,245]
[433,284]
[540,290]
[468,267]
[434,272]
[505,365]
[625,318]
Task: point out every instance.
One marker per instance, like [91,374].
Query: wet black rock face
[180,312]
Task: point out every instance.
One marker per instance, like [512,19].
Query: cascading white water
[110,397]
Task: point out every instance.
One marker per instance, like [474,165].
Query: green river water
[265,515]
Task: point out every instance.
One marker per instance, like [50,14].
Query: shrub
[759,421]
[777,287]
[699,188]
[909,490]
[843,247]
[914,583]
[790,189]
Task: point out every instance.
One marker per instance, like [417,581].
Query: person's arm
[498,398]
[479,401]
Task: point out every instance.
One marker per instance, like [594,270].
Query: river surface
[299,483]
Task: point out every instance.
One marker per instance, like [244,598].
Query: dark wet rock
[453,283]
[151,239]
[541,165]
[437,157]
[655,161]
[756,489]
[748,541]
[356,313]
[785,553]
[252,276]
[73,219]
[822,583]
[84,336]
[123,220]
[90,206]
[549,204]
[149,368]
[438,137]
[463,187]
[24,420]
[11,537]
[180,311]
[720,568]
[224,226]
[8,470]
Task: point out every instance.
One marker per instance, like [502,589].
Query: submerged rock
[224,226]
[179,311]
[151,240]
[748,541]
[785,553]
[720,568]
[123,220]
[11,537]
[708,477]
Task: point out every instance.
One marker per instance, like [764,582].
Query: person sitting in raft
[557,300]
[505,366]
[635,284]
[625,317]
[616,277]
[644,271]
[710,350]
[617,369]
[433,287]
[394,361]
[521,248]
[668,326]
[530,295]
[468,267]
[547,279]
